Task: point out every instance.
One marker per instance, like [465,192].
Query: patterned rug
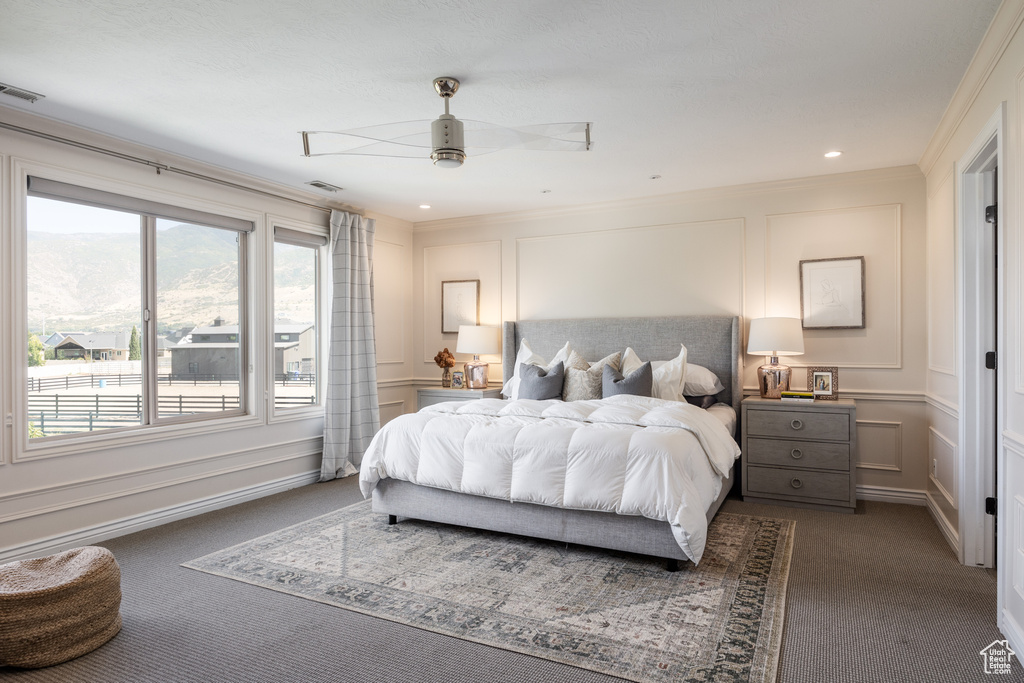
[614,613]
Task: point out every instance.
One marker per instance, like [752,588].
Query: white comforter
[626,454]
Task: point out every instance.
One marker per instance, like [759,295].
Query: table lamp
[775,337]
[477,339]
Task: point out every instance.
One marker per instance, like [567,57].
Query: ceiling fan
[447,137]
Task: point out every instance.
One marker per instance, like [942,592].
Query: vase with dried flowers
[446,361]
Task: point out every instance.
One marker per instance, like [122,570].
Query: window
[121,293]
[296,331]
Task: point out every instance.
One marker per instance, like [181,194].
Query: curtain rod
[159,167]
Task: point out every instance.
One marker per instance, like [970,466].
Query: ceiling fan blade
[558,137]
[402,139]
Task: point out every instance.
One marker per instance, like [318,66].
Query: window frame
[251,413]
[315,233]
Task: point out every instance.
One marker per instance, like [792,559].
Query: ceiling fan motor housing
[447,141]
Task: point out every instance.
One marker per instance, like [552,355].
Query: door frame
[976,313]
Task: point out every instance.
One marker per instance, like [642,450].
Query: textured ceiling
[703,93]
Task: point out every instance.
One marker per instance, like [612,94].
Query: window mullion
[149,356]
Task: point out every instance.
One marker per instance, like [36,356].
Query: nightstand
[800,454]
[428,397]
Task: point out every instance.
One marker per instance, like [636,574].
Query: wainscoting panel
[869,231]
[469,261]
[1018,546]
[941,283]
[101,532]
[943,466]
[389,278]
[389,410]
[642,271]
[880,445]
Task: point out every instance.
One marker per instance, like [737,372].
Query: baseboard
[951,534]
[885,494]
[127,525]
[1012,630]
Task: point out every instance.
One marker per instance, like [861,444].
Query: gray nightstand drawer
[825,456]
[795,424]
[818,486]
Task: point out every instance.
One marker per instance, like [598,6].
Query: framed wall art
[460,304]
[823,383]
[832,293]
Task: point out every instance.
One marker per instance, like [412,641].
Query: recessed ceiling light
[424,206]
[833,154]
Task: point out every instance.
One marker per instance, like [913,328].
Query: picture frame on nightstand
[458,380]
[823,382]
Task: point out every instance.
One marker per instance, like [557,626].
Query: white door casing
[983,393]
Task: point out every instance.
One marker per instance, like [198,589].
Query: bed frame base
[627,533]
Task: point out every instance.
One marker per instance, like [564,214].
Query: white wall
[730,250]
[64,494]
[994,80]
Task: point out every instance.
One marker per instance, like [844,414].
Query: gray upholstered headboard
[711,340]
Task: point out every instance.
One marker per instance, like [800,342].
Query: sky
[48,215]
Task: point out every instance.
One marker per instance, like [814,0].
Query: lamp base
[476,373]
[773,379]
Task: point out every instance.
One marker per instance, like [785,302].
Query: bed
[711,341]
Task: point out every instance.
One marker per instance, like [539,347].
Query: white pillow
[668,374]
[701,382]
[526,356]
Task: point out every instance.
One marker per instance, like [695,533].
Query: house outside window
[105,263]
[296,335]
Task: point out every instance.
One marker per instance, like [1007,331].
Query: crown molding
[158,158]
[890,174]
[993,45]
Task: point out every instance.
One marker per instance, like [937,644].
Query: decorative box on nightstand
[428,397]
[800,454]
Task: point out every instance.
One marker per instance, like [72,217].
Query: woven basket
[56,608]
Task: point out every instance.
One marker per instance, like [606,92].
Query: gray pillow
[704,402]
[540,383]
[640,382]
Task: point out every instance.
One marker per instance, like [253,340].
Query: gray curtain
[352,414]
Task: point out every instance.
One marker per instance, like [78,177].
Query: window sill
[134,436]
[293,414]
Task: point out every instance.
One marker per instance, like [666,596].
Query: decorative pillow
[704,402]
[701,382]
[640,382]
[668,375]
[540,383]
[528,357]
[583,380]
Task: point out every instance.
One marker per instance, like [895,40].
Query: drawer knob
[797,424]
[796,453]
[796,483]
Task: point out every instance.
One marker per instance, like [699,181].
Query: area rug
[615,613]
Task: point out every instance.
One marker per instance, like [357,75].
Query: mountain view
[91,281]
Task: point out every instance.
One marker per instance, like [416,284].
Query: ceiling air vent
[325,186]
[20,93]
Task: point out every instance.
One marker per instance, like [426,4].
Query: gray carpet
[615,613]
[876,596]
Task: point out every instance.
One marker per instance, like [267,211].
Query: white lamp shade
[775,337]
[478,339]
